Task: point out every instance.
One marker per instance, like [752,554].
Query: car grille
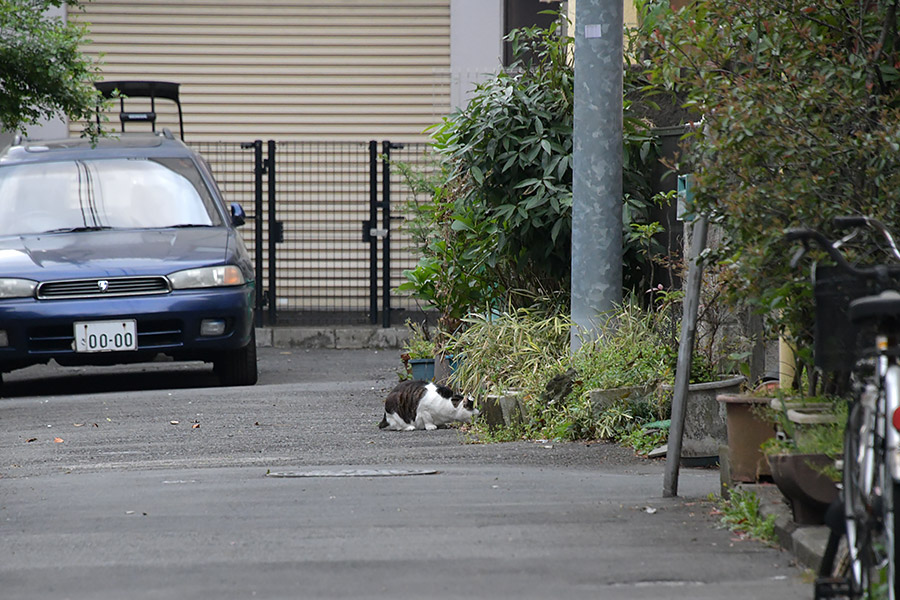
[152,335]
[102,288]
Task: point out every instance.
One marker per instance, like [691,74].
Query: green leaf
[526,183]
[545,144]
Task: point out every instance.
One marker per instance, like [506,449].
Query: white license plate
[105,336]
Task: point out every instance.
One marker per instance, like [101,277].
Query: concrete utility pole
[597,166]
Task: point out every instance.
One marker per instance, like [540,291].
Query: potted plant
[802,457]
[418,352]
[748,426]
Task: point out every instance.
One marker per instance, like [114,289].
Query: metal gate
[328,236]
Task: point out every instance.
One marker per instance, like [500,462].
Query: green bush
[631,350]
[496,228]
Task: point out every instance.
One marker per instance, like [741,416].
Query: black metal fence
[329,235]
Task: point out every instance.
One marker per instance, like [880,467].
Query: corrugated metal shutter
[288,69]
[304,73]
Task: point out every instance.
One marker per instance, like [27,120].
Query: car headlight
[17,288]
[224,275]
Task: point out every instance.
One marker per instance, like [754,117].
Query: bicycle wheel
[871,498]
[889,575]
[860,474]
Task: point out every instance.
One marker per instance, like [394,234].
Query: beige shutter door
[288,69]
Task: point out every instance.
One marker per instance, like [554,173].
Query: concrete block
[390,338]
[809,544]
[263,337]
[352,338]
[601,400]
[499,410]
[303,337]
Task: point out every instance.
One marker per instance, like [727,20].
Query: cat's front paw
[430,426]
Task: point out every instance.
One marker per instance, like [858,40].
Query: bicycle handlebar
[874,272]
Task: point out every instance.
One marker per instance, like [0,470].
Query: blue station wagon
[120,252]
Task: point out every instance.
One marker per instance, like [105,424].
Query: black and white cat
[424,405]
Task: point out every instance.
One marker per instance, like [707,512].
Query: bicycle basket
[838,343]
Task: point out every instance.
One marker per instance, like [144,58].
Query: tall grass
[524,349]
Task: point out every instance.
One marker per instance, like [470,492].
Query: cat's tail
[383,423]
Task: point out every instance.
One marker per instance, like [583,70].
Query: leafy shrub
[631,350]
[497,226]
[800,105]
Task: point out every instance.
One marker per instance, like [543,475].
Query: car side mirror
[238,217]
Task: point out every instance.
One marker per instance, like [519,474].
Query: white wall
[476,45]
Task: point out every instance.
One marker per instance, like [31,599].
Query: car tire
[238,367]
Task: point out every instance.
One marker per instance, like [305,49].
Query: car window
[109,193]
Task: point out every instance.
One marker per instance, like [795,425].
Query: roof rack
[141,89]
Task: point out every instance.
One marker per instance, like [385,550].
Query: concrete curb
[806,542]
[332,337]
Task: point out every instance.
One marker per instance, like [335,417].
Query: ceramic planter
[800,479]
[705,428]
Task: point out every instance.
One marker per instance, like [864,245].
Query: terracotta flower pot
[747,430]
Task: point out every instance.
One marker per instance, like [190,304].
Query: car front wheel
[238,367]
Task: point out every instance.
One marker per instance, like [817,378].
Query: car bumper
[38,331]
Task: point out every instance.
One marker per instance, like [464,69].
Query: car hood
[113,253]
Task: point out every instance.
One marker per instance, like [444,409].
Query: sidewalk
[805,542]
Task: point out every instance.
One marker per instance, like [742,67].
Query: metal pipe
[373,241]
[258,222]
[386,241]
[273,234]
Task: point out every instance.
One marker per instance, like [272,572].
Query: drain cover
[354,473]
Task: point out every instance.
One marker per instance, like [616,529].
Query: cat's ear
[456,400]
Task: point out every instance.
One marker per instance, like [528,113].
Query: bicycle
[861,554]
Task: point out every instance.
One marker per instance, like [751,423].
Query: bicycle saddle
[885,305]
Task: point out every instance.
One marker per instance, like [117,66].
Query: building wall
[629,15]
[56,127]
[476,45]
[289,69]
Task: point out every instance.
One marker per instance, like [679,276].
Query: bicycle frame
[871,473]
[892,436]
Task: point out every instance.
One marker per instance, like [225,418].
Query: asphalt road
[153,482]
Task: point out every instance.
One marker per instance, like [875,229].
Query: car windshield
[113,193]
